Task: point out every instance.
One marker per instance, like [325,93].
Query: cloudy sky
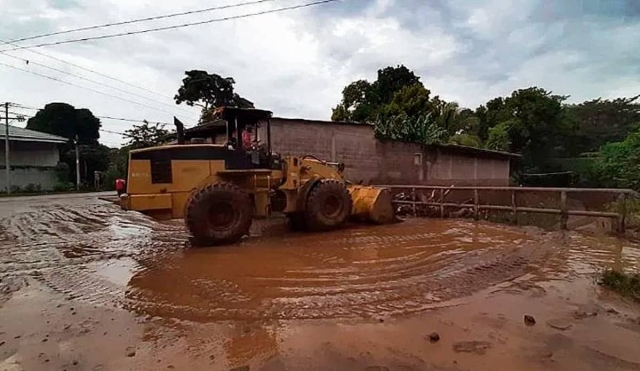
[296,63]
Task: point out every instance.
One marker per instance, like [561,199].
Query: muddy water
[351,299]
[359,272]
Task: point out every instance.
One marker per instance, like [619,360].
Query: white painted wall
[30,154]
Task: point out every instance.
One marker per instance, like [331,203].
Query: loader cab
[244,133]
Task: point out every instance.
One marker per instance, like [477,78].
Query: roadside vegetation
[627,285]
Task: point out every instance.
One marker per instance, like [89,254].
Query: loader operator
[246,138]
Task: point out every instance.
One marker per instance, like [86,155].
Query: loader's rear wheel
[218,213]
[328,205]
[297,222]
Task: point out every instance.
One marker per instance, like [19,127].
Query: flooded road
[86,286]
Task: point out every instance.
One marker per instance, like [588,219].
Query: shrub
[625,284]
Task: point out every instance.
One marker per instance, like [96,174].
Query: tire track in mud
[62,246]
[371,272]
[360,272]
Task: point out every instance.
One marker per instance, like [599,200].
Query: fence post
[441,202]
[514,207]
[413,199]
[476,204]
[563,210]
[622,216]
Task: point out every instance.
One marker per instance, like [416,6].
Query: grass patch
[625,284]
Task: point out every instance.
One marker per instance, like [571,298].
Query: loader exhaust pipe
[179,130]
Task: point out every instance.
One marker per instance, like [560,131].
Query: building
[372,161]
[32,155]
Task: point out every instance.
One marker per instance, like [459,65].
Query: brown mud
[86,286]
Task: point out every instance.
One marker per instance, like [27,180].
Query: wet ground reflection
[361,272]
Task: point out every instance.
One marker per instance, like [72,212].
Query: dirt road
[86,286]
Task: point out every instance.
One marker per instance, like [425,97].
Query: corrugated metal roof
[26,135]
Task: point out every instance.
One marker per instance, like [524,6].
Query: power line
[108,36]
[90,80]
[132,120]
[89,70]
[142,20]
[102,117]
[84,87]
[114,132]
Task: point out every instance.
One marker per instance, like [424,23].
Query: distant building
[33,156]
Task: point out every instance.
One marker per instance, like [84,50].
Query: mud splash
[363,272]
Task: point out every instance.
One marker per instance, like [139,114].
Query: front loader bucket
[372,204]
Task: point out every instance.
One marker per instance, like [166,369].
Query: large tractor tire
[218,214]
[328,205]
[297,222]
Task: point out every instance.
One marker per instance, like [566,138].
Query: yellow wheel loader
[219,185]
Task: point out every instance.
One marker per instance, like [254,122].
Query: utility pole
[6,148]
[77,165]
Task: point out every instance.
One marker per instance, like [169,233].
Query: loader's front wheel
[328,205]
[218,213]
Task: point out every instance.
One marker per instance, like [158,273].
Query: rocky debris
[612,311]
[559,324]
[131,352]
[45,340]
[588,310]
[434,337]
[2,343]
[477,347]
[581,314]
[529,320]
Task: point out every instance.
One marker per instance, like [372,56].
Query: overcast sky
[296,63]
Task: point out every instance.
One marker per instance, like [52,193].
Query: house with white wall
[32,157]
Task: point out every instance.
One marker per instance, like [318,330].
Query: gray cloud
[297,63]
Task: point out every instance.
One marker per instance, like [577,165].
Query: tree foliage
[597,122]
[618,163]
[422,129]
[212,90]
[530,122]
[146,135]
[363,101]
[64,120]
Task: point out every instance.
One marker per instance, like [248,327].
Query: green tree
[499,139]
[466,139]
[391,80]
[412,101]
[212,90]
[533,121]
[422,129]
[363,101]
[64,120]
[619,163]
[597,122]
[146,135]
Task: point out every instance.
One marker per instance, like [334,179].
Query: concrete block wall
[383,162]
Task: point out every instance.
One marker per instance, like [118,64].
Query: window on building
[417,159]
